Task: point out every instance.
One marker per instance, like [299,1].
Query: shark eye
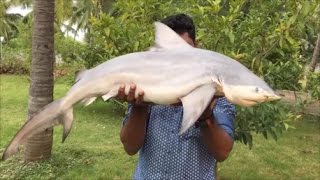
[256,90]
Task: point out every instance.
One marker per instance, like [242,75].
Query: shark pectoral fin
[88,101]
[67,121]
[194,104]
[110,94]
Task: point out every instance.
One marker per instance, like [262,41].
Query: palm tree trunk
[316,54]
[41,88]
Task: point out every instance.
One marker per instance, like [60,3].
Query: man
[153,130]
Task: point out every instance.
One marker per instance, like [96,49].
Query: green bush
[14,62]
[16,53]
[313,85]
[68,49]
[112,37]
[15,66]
[284,75]
[266,119]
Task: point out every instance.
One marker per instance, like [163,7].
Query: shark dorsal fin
[166,38]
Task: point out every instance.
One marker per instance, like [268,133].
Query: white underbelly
[160,94]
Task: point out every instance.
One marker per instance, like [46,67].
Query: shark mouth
[248,103]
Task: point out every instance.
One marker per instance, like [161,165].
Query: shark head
[247,89]
[249,95]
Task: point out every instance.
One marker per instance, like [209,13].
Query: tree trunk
[41,87]
[315,56]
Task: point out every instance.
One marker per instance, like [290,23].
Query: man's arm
[217,139]
[134,129]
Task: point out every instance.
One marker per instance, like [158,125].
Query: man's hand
[131,95]
[133,132]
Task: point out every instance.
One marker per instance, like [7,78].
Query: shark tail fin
[44,119]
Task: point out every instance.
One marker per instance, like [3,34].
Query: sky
[23,12]
[19,10]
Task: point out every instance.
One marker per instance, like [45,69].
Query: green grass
[93,149]
[294,156]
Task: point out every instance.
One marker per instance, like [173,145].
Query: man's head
[182,25]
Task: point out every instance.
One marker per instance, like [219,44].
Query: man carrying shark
[153,130]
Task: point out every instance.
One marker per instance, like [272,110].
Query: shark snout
[272,97]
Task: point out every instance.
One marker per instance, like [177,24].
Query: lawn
[93,149]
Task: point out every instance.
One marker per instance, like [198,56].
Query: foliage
[83,10]
[272,118]
[68,50]
[264,37]
[284,75]
[8,28]
[13,63]
[313,84]
[16,53]
[113,37]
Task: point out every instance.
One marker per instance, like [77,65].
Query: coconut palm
[41,87]
[83,10]
[8,28]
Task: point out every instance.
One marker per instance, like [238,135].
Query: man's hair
[181,23]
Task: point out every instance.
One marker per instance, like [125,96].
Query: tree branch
[315,56]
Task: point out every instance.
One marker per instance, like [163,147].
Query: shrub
[313,84]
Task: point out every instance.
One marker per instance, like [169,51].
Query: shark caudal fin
[44,119]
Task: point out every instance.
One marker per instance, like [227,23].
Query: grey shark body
[170,72]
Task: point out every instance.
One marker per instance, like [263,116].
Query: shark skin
[171,71]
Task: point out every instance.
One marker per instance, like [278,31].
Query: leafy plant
[268,119]
[68,49]
[313,85]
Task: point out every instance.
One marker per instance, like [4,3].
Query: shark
[170,72]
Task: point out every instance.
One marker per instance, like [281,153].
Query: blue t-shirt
[166,155]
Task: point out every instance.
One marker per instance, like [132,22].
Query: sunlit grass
[93,149]
[294,156]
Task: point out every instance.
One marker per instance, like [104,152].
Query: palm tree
[83,10]
[41,88]
[8,26]
[63,9]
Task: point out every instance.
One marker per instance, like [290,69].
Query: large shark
[171,71]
